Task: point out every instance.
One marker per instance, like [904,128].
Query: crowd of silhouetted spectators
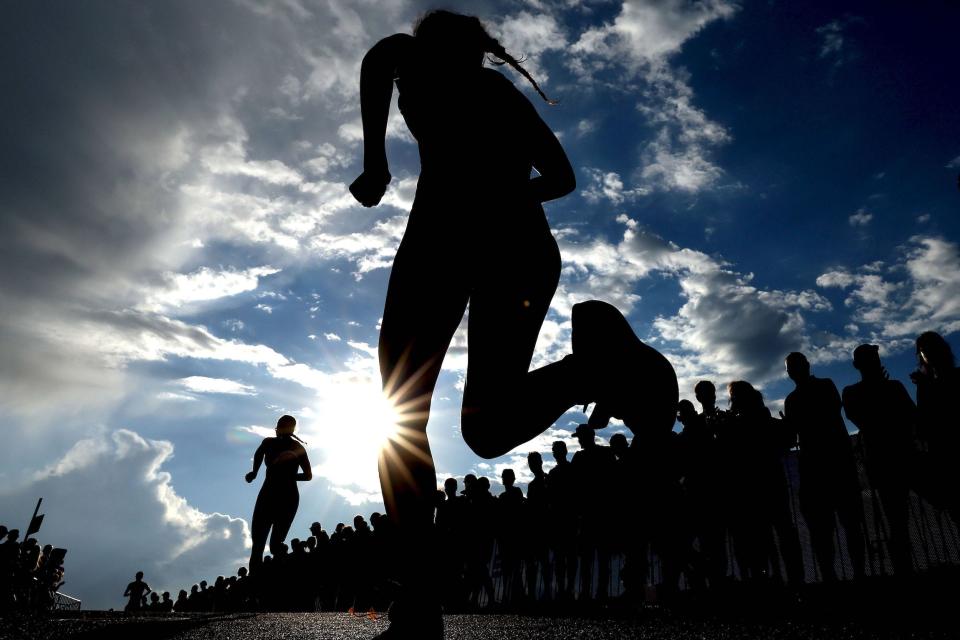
[30,575]
[700,507]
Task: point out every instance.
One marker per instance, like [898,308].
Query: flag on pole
[34,525]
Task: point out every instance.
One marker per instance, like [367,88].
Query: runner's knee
[475,429]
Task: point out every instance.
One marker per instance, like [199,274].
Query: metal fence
[63,602]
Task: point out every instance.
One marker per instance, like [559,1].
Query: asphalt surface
[647,624]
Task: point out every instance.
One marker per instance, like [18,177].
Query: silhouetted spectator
[479,539]
[885,415]
[450,531]
[536,537]
[713,417]
[753,445]
[561,488]
[510,511]
[700,473]
[828,473]
[136,592]
[182,604]
[593,467]
[938,388]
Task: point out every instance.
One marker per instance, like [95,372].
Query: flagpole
[35,512]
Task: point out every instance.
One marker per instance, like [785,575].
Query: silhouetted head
[935,353]
[139,575]
[469,484]
[182,594]
[866,360]
[315,528]
[743,397]
[798,368]
[286,425]
[535,462]
[450,487]
[706,394]
[166,596]
[686,412]
[203,585]
[375,519]
[453,43]
[194,589]
[359,522]
[619,444]
[586,436]
[13,534]
[242,572]
[483,484]
[154,597]
[3,532]
[508,477]
[559,450]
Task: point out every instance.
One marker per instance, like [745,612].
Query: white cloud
[608,185]
[202,384]
[860,219]
[203,285]
[641,40]
[528,35]
[726,326]
[646,31]
[954,164]
[108,497]
[831,35]
[920,292]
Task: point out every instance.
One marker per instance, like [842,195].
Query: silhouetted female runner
[477,234]
[278,499]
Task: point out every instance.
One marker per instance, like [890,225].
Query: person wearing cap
[277,502]
[593,474]
[829,484]
[885,414]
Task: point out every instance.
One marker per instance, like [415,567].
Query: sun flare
[348,430]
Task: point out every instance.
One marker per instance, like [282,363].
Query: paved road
[648,625]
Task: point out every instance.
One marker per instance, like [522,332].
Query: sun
[350,426]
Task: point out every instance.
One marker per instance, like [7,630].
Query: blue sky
[182,263]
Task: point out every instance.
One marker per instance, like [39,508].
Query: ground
[648,624]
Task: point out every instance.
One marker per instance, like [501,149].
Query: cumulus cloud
[609,186]
[639,42]
[920,291]
[109,501]
[727,326]
[646,31]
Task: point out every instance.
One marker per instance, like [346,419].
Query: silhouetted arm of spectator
[257,461]
[377,72]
